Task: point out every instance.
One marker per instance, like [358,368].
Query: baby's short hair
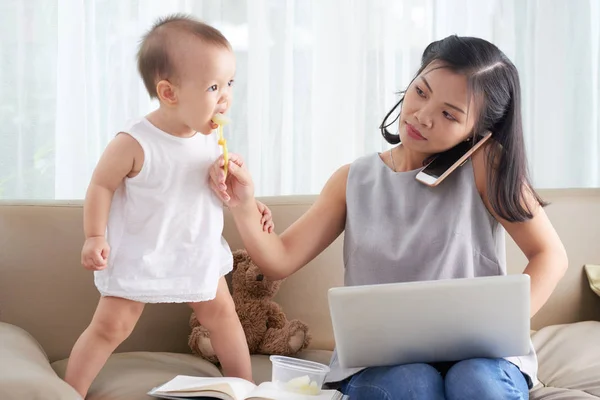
[153,57]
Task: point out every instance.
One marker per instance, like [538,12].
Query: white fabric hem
[190,298]
[178,298]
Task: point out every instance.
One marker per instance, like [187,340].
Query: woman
[398,230]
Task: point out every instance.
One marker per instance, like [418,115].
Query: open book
[194,387]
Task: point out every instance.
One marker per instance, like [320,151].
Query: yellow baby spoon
[221,119]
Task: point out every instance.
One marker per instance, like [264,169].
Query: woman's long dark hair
[494,83]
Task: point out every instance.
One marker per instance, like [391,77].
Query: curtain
[314,80]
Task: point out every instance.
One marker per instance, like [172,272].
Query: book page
[186,386]
[269,391]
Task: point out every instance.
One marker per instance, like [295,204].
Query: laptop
[431,321]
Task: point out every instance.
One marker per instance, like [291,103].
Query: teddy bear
[267,329]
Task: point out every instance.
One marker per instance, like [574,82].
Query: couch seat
[569,362]
[128,376]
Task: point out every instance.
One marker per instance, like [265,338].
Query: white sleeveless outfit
[165,224]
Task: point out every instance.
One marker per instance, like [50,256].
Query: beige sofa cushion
[128,376]
[569,361]
[25,372]
[593,275]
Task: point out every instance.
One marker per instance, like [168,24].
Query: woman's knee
[485,378]
[410,381]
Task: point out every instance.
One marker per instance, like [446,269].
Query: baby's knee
[220,309]
[114,330]
[225,308]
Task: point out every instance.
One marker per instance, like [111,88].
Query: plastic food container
[298,376]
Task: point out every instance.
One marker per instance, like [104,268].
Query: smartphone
[444,163]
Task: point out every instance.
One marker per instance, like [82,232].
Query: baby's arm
[123,157]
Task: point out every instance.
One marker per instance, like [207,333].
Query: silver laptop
[431,321]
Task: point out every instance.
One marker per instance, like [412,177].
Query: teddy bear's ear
[239,256]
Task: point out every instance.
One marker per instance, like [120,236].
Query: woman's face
[437,111]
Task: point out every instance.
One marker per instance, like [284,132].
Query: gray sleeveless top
[399,230]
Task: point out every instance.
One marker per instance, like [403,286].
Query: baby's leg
[226,332]
[112,323]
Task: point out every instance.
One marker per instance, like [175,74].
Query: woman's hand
[235,190]
[267,218]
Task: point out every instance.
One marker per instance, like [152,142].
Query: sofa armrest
[25,372]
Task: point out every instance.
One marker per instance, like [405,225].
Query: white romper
[165,224]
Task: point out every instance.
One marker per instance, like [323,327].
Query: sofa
[47,299]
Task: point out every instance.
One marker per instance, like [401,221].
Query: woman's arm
[536,238]
[280,256]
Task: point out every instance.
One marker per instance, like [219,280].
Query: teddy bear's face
[247,278]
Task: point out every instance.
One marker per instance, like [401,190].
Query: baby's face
[206,75]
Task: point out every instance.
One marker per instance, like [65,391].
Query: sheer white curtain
[314,80]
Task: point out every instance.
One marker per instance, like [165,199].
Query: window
[314,80]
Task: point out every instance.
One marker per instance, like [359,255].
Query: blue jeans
[478,378]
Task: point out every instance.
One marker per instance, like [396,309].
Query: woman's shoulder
[339,178]
[342,173]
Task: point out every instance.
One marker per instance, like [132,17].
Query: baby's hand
[94,255]
[267,219]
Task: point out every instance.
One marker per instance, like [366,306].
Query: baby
[150,194]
